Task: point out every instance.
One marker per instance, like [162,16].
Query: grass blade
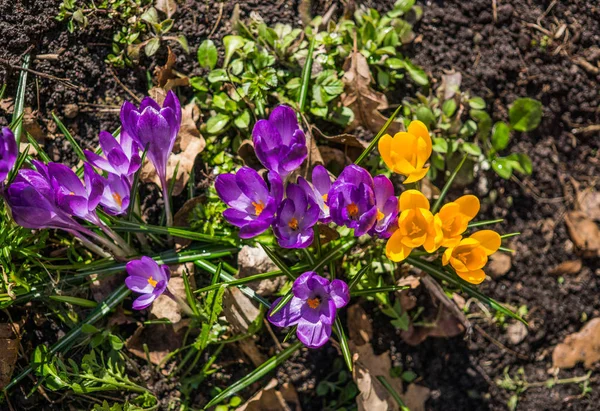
[189,294]
[373,142]
[485,222]
[99,312]
[277,261]
[20,100]
[126,226]
[358,276]
[286,299]
[41,153]
[334,254]
[306,73]
[82,302]
[388,387]
[256,375]
[447,186]
[386,289]
[458,282]
[69,137]
[337,328]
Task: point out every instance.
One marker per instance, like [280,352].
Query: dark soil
[501,58]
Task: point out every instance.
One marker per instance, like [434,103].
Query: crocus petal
[301,288]
[321,180]
[139,284]
[288,315]
[339,293]
[383,189]
[254,228]
[489,240]
[252,185]
[284,119]
[276,186]
[229,192]
[473,277]
[294,158]
[469,205]
[411,199]
[395,249]
[144,267]
[416,175]
[65,177]
[366,222]
[313,335]
[143,301]
[385,150]
[419,129]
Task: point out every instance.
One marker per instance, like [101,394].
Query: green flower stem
[374,142]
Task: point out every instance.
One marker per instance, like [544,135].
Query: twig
[499,344]
[131,93]
[65,81]
[495,11]
[218,20]
[273,336]
[436,290]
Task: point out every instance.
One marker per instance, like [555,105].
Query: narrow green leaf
[339,330]
[485,222]
[69,137]
[388,387]
[374,142]
[334,254]
[256,375]
[189,294]
[126,226]
[306,72]
[277,261]
[286,299]
[458,282]
[447,186]
[371,291]
[82,302]
[41,153]
[356,279]
[20,99]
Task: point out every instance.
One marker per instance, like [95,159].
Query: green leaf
[526,163]
[337,328]
[477,103]
[417,74]
[449,107]
[404,5]
[525,114]
[243,120]
[69,137]
[471,148]
[440,145]
[426,116]
[500,136]
[217,123]
[503,167]
[182,40]
[255,375]
[232,44]
[447,186]
[277,261]
[395,63]
[484,123]
[152,46]
[374,142]
[217,75]
[82,302]
[207,54]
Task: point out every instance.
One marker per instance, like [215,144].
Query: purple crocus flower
[72,196]
[351,200]
[115,198]
[279,143]
[387,207]
[312,308]
[8,152]
[154,127]
[122,158]
[147,278]
[318,191]
[296,216]
[252,205]
[32,201]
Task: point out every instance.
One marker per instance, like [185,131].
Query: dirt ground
[499,48]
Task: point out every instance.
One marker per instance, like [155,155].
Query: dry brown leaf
[166,77]
[164,306]
[584,232]
[583,346]
[450,85]
[169,7]
[359,326]
[361,98]
[416,396]
[9,350]
[567,267]
[161,339]
[346,139]
[332,158]
[411,280]
[188,145]
[7,105]
[254,260]
[445,326]
[499,265]
[103,286]
[273,398]
[248,155]
[589,201]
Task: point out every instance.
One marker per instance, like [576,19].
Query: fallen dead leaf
[583,346]
[346,139]
[327,234]
[429,190]
[273,398]
[567,267]
[103,286]
[169,7]
[188,145]
[499,265]
[584,232]
[516,332]
[161,340]
[361,98]
[254,260]
[248,155]
[166,77]
[416,396]
[450,85]
[359,326]
[446,325]
[411,280]
[164,306]
[9,341]
[332,158]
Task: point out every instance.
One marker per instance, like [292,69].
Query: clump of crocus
[407,152]
[115,198]
[318,190]
[148,278]
[155,128]
[279,142]
[8,152]
[295,219]
[121,158]
[455,217]
[351,200]
[416,227]
[252,204]
[471,254]
[312,308]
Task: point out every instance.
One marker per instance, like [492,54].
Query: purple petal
[229,192]
[339,293]
[284,119]
[172,102]
[366,221]
[238,218]
[321,180]
[252,185]
[300,287]
[276,186]
[313,335]
[139,284]
[265,137]
[65,177]
[255,228]
[94,185]
[143,301]
[288,315]
[144,267]
[98,161]
[383,189]
[298,197]
[149,102]
[295,157]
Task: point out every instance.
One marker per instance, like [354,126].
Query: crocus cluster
[355,199]
[54,196]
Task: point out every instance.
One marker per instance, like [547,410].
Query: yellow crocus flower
[456,216]
[407,152]
[471,255]
[417,226]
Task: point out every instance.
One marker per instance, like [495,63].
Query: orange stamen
[352,210]
[313,302]
[258,207]
[325,196]
[152,282]
[293,224]
[117,199]
[380,215]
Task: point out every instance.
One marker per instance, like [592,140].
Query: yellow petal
[446,256]
[411,199]
[490,240]
[416,175]
[451,242]
[395,250]
[469,205]
[473,277]
[423,152]
[419,129]
[402,165]
[385,150]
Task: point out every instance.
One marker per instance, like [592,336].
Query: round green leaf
[232,43]
[471,148]
[502,167]
[216,123]
[207,54]
[477,103]
[440,145]
[449,107]
[525,114]
[425,115]
[417,74]
[152,47]
[500,136]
